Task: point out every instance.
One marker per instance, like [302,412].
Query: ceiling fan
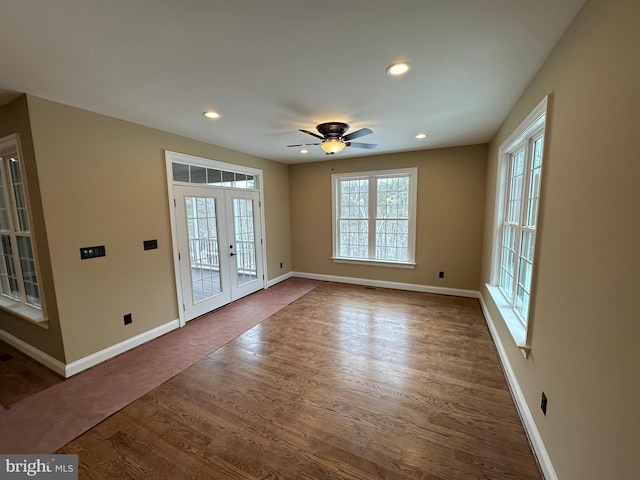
[334,139]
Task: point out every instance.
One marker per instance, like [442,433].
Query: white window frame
[19,306]
[533,126]
[412,173]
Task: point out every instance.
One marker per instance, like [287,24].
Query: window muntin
[374,216]
[18,272]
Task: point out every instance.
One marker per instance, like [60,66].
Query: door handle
[232,254]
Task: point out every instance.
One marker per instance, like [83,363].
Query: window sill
[513,323]
[26,312]
[377,263]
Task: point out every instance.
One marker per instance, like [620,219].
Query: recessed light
[421,135]
[211,114]
[399,68]
[304,150]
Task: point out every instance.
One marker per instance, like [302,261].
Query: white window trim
[22,309]
[413,188]
[534,122]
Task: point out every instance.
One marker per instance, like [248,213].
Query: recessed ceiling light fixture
[304,150]
[421,135]
[399,68]
[211,114]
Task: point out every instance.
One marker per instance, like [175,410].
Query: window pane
[4,208]
[515,187]
[180,172]
[228,179]
[507,263]
[521,303]
[18,193]
[392,240]
[534,184]
[8,277]
[393,197]
[528,243]
[203,247]
[198,174]
[214,177]
[28,266]
[354,199]
[354,236]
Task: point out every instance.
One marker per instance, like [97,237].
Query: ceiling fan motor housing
[333,129]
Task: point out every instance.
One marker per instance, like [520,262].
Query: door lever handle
[232,254]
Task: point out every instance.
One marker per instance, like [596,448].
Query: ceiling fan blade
[362,145]
[312,134]
[357,134]
[302,144]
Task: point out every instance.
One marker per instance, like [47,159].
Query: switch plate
[92,252]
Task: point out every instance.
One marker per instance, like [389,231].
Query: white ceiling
[271,67]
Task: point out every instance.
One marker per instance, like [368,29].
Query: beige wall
[103,182]
[586,326]
[14,118]
[451,185]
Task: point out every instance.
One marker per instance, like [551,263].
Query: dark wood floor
[20,376]
[344,383]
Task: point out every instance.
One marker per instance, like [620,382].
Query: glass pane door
[201,232]
[243,223]
[203,247]
[245,254]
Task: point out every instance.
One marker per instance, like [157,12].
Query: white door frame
[171,157]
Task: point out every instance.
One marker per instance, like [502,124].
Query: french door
[220,252]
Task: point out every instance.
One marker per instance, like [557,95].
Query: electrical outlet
[543,404]
[128,319]
[441,275]
[280,264]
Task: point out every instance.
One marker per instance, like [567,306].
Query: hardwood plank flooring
[20,376]
[345,383]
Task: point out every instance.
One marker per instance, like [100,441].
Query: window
[520,171]
[374,217]
[18,272]
[183,172]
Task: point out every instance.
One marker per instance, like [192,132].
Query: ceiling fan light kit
[332,145]
[334,139]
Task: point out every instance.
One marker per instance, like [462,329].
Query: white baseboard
[110,352]
[521,404]
[279,279]
[39,356]
[384,284]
